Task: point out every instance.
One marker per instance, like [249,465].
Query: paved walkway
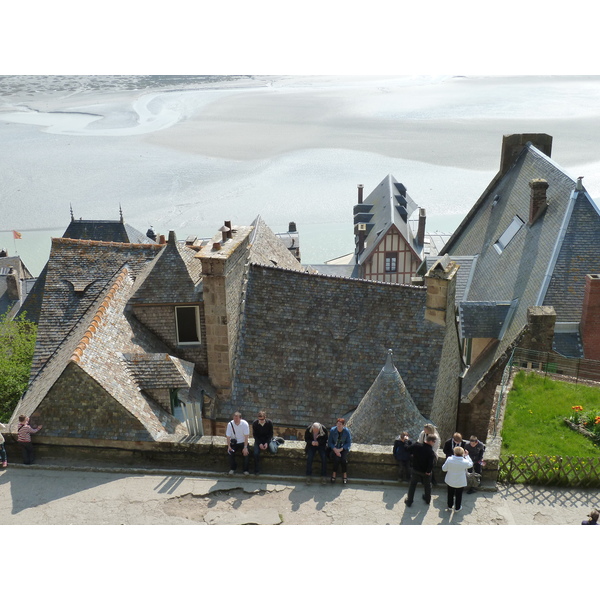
[65,495]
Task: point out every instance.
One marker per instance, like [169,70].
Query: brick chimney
[540,328]
[421,228]
[361,187]
[590,318]
[538,201]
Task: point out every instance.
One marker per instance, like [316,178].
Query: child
[24,431]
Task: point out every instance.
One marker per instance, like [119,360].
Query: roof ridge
[78,242]
[98,317]
[327,276]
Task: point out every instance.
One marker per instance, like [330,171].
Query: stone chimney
[13,288]
[513,144]
[421,228]
[361,187]
[540,328]
[440,281]
[538,201]
[292,227]
[590,318]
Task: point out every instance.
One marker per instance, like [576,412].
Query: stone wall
[160,320]
[78,406]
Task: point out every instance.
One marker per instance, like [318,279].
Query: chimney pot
[216,246]
[230,232]
[224,233]
[161,239]
[292,227]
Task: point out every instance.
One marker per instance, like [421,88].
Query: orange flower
[597,420]
[577,408]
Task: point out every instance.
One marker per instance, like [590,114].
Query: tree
[17,341]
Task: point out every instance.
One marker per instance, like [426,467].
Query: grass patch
[535,410]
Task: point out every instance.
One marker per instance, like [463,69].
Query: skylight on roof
[508,234]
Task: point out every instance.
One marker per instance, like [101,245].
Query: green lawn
[534,417]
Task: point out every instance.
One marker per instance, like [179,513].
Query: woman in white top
[455,468]
[430,429]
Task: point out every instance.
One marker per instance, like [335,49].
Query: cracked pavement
[60,496]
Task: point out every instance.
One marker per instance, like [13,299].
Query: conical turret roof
[386,410]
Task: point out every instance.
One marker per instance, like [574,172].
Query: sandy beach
[188,153]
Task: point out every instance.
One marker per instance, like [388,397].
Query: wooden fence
[569,471]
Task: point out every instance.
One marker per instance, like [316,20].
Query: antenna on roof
[71,208]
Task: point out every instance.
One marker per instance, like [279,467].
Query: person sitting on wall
[402,456]
[237,434]
[315,437]
[475,450]
[423,458]
[24,432]
[339,442]
[593,518]
[453,442]
[262,432]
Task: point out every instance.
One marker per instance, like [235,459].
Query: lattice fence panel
[550,470]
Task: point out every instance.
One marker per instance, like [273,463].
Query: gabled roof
[24,280]
[78,272]
[534,267]
[387,205]
[386,410]
[310,345]
[175,276]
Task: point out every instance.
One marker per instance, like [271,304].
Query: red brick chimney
[590,318]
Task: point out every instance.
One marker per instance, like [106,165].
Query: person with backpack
[402,456]
[237,433]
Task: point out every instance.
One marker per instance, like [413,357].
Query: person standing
[24,432]
[455,468]
[402,457]
[453,442]
[475,449]
[430,429]
[262,432]
[339,442]
[3,450]
[237,433]
[423,458]
[316,437]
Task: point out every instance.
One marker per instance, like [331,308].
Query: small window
[508,235]
[391,262]
[188,324]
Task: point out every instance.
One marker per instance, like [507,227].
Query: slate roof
[464,275]
[268,249]
[386,410]
[484,319]
[25,281]
[310,345]
[388,204]
[568,344]
[524,270]
[175,276]
[105,231]
[77,276]
[159,370]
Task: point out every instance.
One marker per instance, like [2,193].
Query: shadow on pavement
[566,497]
[47,486]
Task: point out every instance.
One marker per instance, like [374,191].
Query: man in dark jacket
[453,442]
[422,465]
[475,448]
[262,432]
[402,456]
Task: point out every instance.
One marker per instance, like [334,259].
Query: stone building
[145,343]
[527,250]
[16,282]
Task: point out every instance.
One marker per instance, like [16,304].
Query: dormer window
[508,235]
[188,324]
